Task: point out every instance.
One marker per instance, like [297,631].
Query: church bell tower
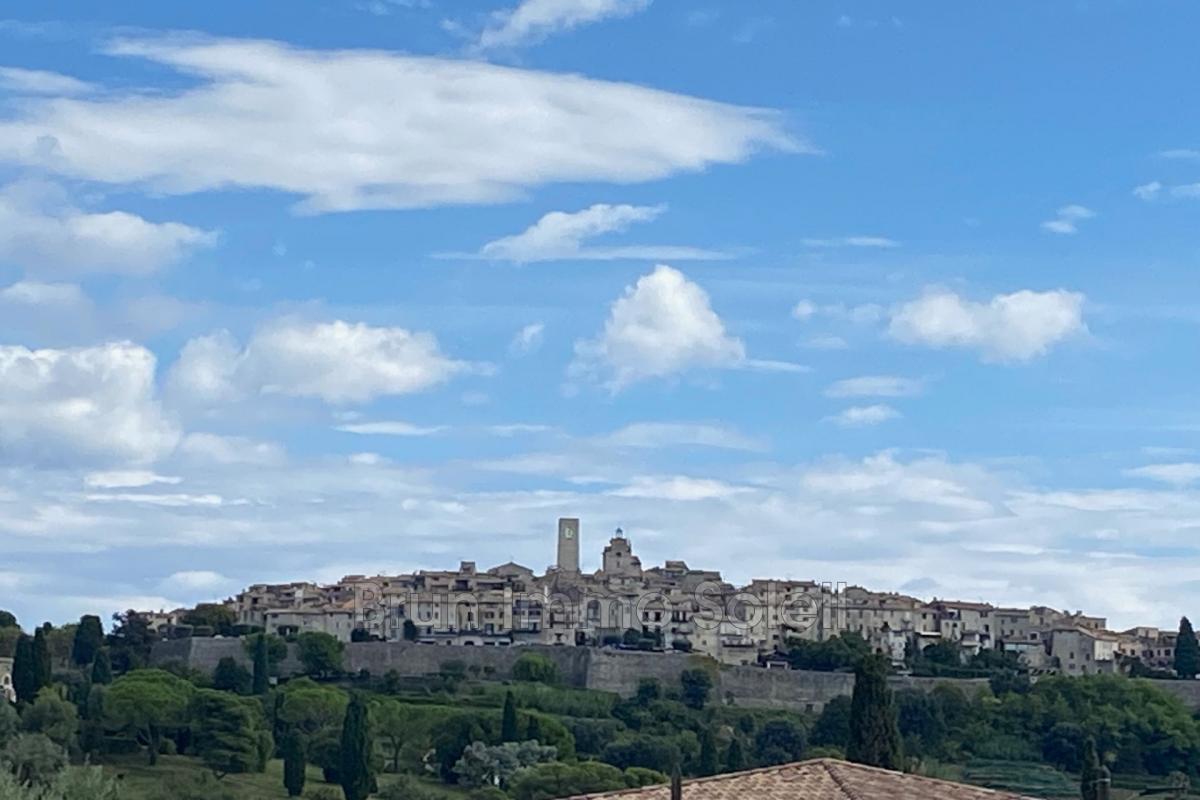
[568,544]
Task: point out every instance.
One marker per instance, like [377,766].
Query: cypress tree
[874,734]
[101,668]
[708,753]
[355,764]
[41,657]
[735,759]
[89,638]
[25,670]
[1089,775]
[294,763]
[1187,651]
[261,665]
[508,723]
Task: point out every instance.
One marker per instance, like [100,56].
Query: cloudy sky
[864,292]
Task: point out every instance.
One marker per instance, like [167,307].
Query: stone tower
[568,544]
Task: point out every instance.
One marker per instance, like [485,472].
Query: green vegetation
[1187,651]
[874,734]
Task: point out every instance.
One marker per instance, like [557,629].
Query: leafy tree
[149,702]
[41,657]
[556,779]
[320,653]
[508,721]
[101,668]
[8,619]
[779,741]
[835,653]
[649,690]
[226,732]
[355,772]
[130,642]
[218,616]
[735,759]
[944,653]
[832,728]
[89,638]
[10,723]
[1089,776]
[8,641]
[51,716]
[294,763]
[1187,651]
[642,750]
[394,724]
[24,671]
[535,668]
[696,683]
[33,758]
[260,680]
[310,706]
[707,764]
[481,765]
[874,735]
[230,676]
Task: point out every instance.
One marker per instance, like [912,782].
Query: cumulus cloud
[662,326]
[1180,474]
[863,314]
[43,233]
[211,448]
[35,293]
[563,236]
[876,386]
[531,21]
[88,403]
[1009,327]
[355,129]
[675,487]
[864,416]
[1067,219]
[338,362]
[195,580]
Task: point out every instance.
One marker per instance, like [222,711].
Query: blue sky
[864,292]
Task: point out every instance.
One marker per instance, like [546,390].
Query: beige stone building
[7,692]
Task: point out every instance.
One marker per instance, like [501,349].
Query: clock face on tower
[568,532]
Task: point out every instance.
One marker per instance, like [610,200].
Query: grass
[140,781]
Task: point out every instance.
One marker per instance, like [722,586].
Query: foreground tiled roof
[819,779]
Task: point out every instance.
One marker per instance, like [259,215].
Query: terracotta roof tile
[818,779]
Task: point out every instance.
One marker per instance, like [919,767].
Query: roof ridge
[836,778]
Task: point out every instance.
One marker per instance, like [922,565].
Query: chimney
[676,784]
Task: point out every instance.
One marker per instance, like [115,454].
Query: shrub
[535,668]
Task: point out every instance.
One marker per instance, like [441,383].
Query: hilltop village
[676,607]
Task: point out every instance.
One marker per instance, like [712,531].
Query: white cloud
[1188,190]
[1148,191]
[562,236]
[1067,219]
[825,342]
[852,241]
[662,326]
[876,386]
[1180,474]
[351,129]
[195,580]
[528,339]
[532,21]
[36,81]
[1185,154]
[863,416]
[390,428]
[126,479]
[673,434]
[89,403]
[804,310]
[338,362]
[676,487]
[34,293]
[173,500]
[228,450]
[1010,327]
[864,314]
[42,232]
